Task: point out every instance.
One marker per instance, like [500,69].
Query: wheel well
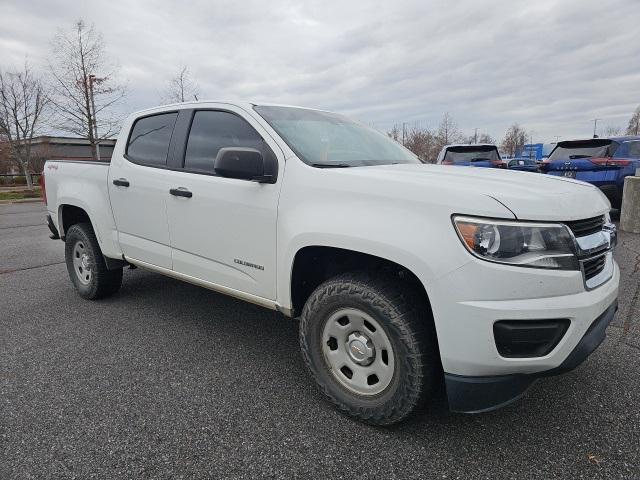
[72,215]
[313,265]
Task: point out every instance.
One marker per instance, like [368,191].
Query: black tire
[102,282]
[406,320]
[616,202]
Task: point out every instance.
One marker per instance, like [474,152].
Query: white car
[399,271]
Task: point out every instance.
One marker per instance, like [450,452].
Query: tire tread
[406,313]
[107,282]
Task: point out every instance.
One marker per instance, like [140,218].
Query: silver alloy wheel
[358,351]
[81,263]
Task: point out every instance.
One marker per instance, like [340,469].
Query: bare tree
[514,139]
[422,142]
[448,130]
[23,102]
[181,88]
[481,138]
[612,131]
[394,133]
[446,134]
[634,123]
[486,138]
[426,143]
[85,88]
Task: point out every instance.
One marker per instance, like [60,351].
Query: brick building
[56,148]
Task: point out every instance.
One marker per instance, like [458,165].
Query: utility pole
[475,135]
[92,79]
[595,124]
[404,129]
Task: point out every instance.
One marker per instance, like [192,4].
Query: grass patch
[35,193]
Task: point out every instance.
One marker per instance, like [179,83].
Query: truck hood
[530,196]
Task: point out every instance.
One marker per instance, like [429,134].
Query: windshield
[583,149]
[471,154]
[324,139]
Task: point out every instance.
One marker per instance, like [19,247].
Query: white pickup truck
[401,273]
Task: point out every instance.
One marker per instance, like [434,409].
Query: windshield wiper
[575,157]
[330,165]
[479,159]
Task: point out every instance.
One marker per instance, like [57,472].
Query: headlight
[537,245]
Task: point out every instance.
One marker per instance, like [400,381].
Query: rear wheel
[86,266]
[369,344]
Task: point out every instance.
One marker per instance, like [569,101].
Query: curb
[21,200]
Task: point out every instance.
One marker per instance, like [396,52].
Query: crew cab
[400,272]
[483,155]
[603,162]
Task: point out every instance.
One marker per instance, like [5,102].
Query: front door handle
[181,192]
[121,182]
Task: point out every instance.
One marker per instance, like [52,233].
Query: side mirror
[242,163]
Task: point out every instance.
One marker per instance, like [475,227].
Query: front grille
[593,266]
[582,228]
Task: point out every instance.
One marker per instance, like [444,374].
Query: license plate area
[569,174]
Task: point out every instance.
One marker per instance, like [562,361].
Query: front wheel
[86,266]
[369,345]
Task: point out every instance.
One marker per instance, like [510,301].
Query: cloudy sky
[552,66]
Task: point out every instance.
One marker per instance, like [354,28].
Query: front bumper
[465,311]
[471,394]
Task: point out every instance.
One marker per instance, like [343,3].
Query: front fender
[424,246]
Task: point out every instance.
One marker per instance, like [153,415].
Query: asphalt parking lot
[168,380]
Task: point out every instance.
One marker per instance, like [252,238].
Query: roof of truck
[243,104]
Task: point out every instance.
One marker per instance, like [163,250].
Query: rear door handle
[181,192]
[121,182]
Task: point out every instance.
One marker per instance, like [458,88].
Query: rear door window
[149,140]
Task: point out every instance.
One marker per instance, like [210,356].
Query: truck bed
[82,184]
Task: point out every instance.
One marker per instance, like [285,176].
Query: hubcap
[81,263]
[358,351]
[360,348]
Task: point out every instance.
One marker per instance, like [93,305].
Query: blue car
[471,155]
[603,162]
